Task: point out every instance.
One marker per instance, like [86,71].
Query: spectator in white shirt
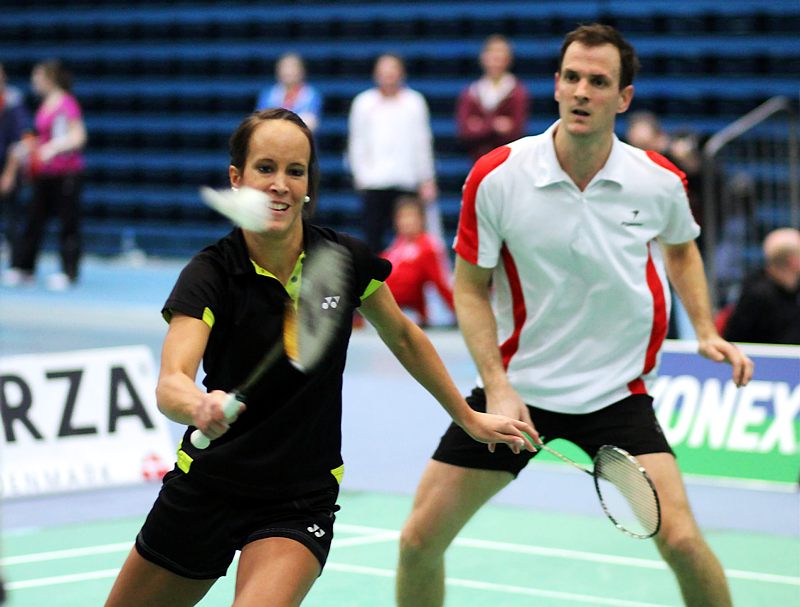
[390,149]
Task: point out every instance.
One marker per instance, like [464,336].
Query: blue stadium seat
[163,84]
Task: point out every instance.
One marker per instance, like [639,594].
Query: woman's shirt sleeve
[197,292]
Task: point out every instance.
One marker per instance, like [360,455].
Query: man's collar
[614,168]
[549,170]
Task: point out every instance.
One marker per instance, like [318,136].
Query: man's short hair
[597,34]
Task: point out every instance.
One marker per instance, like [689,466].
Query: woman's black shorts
[194,530]
[630,424]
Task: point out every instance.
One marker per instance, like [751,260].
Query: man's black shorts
[630,424]
[194,530]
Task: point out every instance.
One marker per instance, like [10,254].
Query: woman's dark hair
[54,69]
[598,34]
[239,147]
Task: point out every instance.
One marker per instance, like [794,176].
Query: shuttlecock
[246,207]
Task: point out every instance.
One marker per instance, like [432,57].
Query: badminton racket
[626,493]
[308,328]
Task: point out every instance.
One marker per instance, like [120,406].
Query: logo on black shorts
[315,530]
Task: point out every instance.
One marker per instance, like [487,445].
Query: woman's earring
[307,199]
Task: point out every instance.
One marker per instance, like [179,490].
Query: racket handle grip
[200,440]
[229,409]
[231,405]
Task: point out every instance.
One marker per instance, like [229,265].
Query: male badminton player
[577,232]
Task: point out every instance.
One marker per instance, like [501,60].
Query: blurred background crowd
[113,114]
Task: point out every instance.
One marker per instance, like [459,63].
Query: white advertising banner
[81,420]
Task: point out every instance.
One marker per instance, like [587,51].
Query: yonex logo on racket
[330,302]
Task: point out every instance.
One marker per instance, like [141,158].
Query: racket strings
[325,281]
[629,479]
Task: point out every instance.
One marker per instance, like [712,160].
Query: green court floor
[506,557]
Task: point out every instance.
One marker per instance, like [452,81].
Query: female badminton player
[268,482]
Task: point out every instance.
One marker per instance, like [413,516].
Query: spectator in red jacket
[493,110]
[418,260]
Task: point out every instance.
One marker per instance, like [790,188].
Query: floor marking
[502,588]
[374,535]
[615,560]
[53,555]
[62,579]
[579,555]
[389,536]
[371,571]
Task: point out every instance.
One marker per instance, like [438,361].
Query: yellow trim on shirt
[184,460]
[208,317]
[373,286]
[292,286]
[338,473]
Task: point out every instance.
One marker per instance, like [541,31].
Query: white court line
[69,553]
[596,557]
[373,535]
[53,555]
[371,571]
[388,536]
[62,579]
[610,559]
[502,588]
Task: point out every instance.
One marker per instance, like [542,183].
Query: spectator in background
[390,149]
[644,131]
[291,91]
[13,121]
[493,110]
[418,260]
[768,310]
[54,162]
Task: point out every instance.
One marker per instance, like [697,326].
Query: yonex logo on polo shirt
[330,302]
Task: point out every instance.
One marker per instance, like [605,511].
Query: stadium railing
[750,187]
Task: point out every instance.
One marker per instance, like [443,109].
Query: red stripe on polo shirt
[510,346]
[467,236]
[659,329]
[664,162]
[637,386]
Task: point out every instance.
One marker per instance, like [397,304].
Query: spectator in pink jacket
[52,159]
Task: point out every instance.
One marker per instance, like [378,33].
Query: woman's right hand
[209,417]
